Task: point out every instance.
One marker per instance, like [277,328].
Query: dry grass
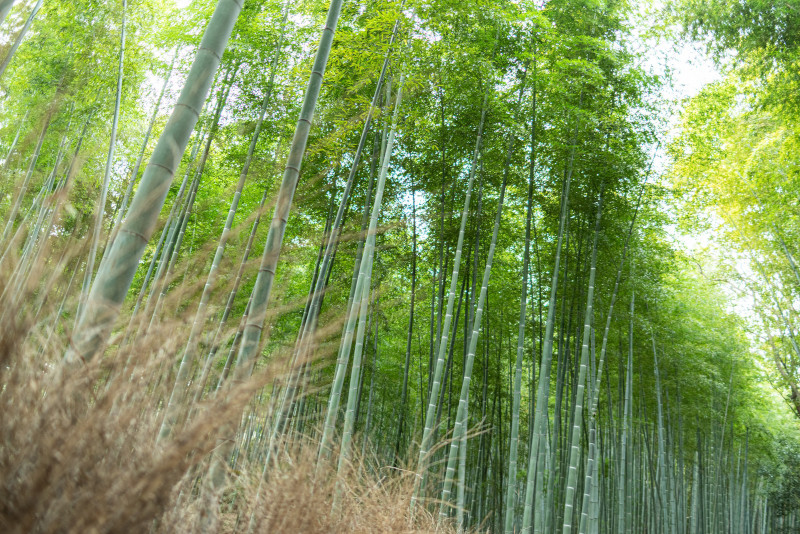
[78,451]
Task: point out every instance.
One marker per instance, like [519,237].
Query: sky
[691,69]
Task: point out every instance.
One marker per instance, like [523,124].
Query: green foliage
[782,478]
[588,107]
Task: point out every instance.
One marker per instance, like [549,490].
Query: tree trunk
[114,279]
[3,13]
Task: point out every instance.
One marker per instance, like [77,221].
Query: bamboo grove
[422,240]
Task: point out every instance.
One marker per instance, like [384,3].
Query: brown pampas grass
[78,449]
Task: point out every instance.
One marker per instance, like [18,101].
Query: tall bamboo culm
[114,278]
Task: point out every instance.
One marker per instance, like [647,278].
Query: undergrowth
[78,450]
